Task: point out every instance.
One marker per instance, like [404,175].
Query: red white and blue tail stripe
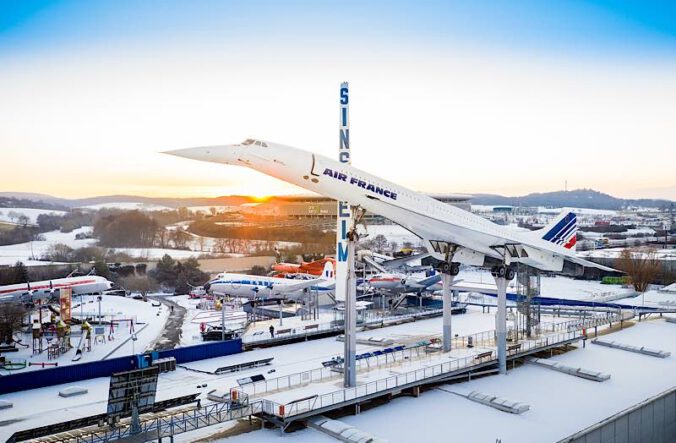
[562,230]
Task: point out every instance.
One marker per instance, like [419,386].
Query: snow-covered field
[31,213]
[393,233]
[128,206]
[662,254]
[207,209]
[557,286]
[29,252]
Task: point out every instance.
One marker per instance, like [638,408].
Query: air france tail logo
[564,232]
[361,184]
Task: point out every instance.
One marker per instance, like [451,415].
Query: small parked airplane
[31,292]
[397,283]
[310,268]
[257,286]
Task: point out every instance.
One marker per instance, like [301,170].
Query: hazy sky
[506,97]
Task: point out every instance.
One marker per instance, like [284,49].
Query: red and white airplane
[310,268]
[30,292]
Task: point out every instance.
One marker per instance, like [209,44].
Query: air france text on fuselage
[361,183]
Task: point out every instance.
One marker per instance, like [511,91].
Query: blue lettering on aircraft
[360,184]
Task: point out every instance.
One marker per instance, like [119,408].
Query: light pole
[99,299]
[223,319]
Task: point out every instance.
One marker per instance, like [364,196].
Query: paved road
[171,336]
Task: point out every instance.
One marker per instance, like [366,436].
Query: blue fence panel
[64,374]
[104,368]
[203,351]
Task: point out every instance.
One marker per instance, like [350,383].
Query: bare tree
[201,241]
[11,317]
[23,220]
[221,245]
[142,284]
[641,265]
[180,238]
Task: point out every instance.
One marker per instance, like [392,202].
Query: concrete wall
[653,420]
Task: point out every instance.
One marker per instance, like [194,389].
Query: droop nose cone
[227,154]
[204,153]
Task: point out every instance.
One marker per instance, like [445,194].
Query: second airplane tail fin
[561,231]
[328,273]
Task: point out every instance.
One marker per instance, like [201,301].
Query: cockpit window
[251,141]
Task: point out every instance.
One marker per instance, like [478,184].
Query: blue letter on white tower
[343,207]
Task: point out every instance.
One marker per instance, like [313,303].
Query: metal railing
[163,424]
[321,401]
[318,328]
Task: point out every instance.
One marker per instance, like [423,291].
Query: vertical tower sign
[343,207]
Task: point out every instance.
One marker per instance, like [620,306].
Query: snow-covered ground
[550,211]
[31,213]
[148,323]
[27,252]
[207,209]
[560,404]
[393,233]
[194,317]
[557,286]
[662,254]
[30,253]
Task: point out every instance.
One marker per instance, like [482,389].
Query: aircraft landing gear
[452,268]
[503,274]
[503,271]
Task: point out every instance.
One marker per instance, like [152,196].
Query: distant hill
[579,198]
[44,201]
[26,202]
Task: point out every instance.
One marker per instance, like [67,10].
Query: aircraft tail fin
[561,231]
[328,272]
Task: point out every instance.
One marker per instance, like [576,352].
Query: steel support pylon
[447,310]
[501,326]
[349,363]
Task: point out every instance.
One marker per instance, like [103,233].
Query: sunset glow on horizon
[467,97]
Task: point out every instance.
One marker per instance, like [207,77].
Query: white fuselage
[261,287]
[28,292]
[426,217]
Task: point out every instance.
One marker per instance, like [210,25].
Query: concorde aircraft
[450,234]
[257,286]
[31,292]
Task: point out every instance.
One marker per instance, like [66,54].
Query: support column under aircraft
[446,281]
[448,272]
[501,327]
